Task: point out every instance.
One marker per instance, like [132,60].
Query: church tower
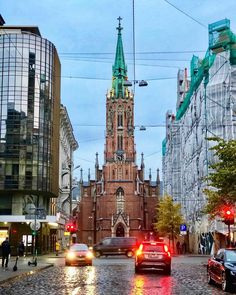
[119,148]
[119,201]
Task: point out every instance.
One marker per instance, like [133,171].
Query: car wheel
[98,254]
[209,279]
[129,254]
[225,284]
[168,270]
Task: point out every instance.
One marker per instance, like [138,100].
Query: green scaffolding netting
[220,39]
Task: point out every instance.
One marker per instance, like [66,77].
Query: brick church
[119,202]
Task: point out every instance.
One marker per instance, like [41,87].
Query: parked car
[221,268]
[116,246]
[153,255]
[79,254]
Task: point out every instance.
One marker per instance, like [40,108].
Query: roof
[30,29]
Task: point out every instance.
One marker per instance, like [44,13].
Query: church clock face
[119,155]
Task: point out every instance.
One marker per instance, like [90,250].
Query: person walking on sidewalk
[6,250]
[58,248]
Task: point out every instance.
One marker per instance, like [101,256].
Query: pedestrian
[178,247]
[21,248]
[58,247]
[6,250]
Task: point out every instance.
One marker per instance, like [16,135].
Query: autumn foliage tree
[168,218]
[221,191]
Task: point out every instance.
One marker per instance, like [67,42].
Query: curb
[25,274]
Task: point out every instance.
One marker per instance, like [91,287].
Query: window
[120,200]
[120,142]
[120,120]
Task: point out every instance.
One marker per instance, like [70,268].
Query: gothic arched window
[120,142]
[120,120]
[120,200]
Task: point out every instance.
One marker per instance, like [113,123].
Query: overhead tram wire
[102,59]
[127,53]
[147,65]
[107,79]
[189,16]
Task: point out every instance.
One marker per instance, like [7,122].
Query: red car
[153,255]
[221,269]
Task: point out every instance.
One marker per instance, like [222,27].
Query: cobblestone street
[115,276]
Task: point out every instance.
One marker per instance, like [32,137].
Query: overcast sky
[84,33]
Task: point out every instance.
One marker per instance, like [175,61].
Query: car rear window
[81,247]
[153,248]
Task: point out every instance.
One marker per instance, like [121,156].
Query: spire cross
[119,27]
[119,19]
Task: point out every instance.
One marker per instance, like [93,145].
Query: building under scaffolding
[206,107]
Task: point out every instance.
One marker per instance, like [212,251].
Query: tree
[169,218]
[222,181]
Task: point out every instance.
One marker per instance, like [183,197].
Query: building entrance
[120,232]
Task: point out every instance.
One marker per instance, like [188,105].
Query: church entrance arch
[120,231]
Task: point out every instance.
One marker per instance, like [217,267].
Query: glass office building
[29,120]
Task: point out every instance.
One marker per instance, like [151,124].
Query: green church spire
[119,69]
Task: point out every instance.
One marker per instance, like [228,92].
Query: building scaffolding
[206,107]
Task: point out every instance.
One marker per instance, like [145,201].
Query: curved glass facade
[28,81]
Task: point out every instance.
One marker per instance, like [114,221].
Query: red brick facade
[119,202]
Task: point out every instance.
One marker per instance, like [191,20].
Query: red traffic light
[71,228]
[228,216]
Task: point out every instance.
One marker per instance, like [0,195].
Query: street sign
[40,214]
[35,225]
[183,227]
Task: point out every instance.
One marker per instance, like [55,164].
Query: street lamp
[140,83]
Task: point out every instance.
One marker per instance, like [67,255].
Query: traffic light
[228,216]
[71,228]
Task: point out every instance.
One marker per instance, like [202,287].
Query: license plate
[156,256]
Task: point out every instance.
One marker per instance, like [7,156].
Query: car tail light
[89,255]
[166,249]
[140,250]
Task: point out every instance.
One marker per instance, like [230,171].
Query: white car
[79,254]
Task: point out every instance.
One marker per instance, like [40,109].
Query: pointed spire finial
[89,175]
[96,162]
[119,69]
[119,28]
[142,161]
[81,175]
[158,176]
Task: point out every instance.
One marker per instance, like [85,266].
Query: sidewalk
[23,269]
